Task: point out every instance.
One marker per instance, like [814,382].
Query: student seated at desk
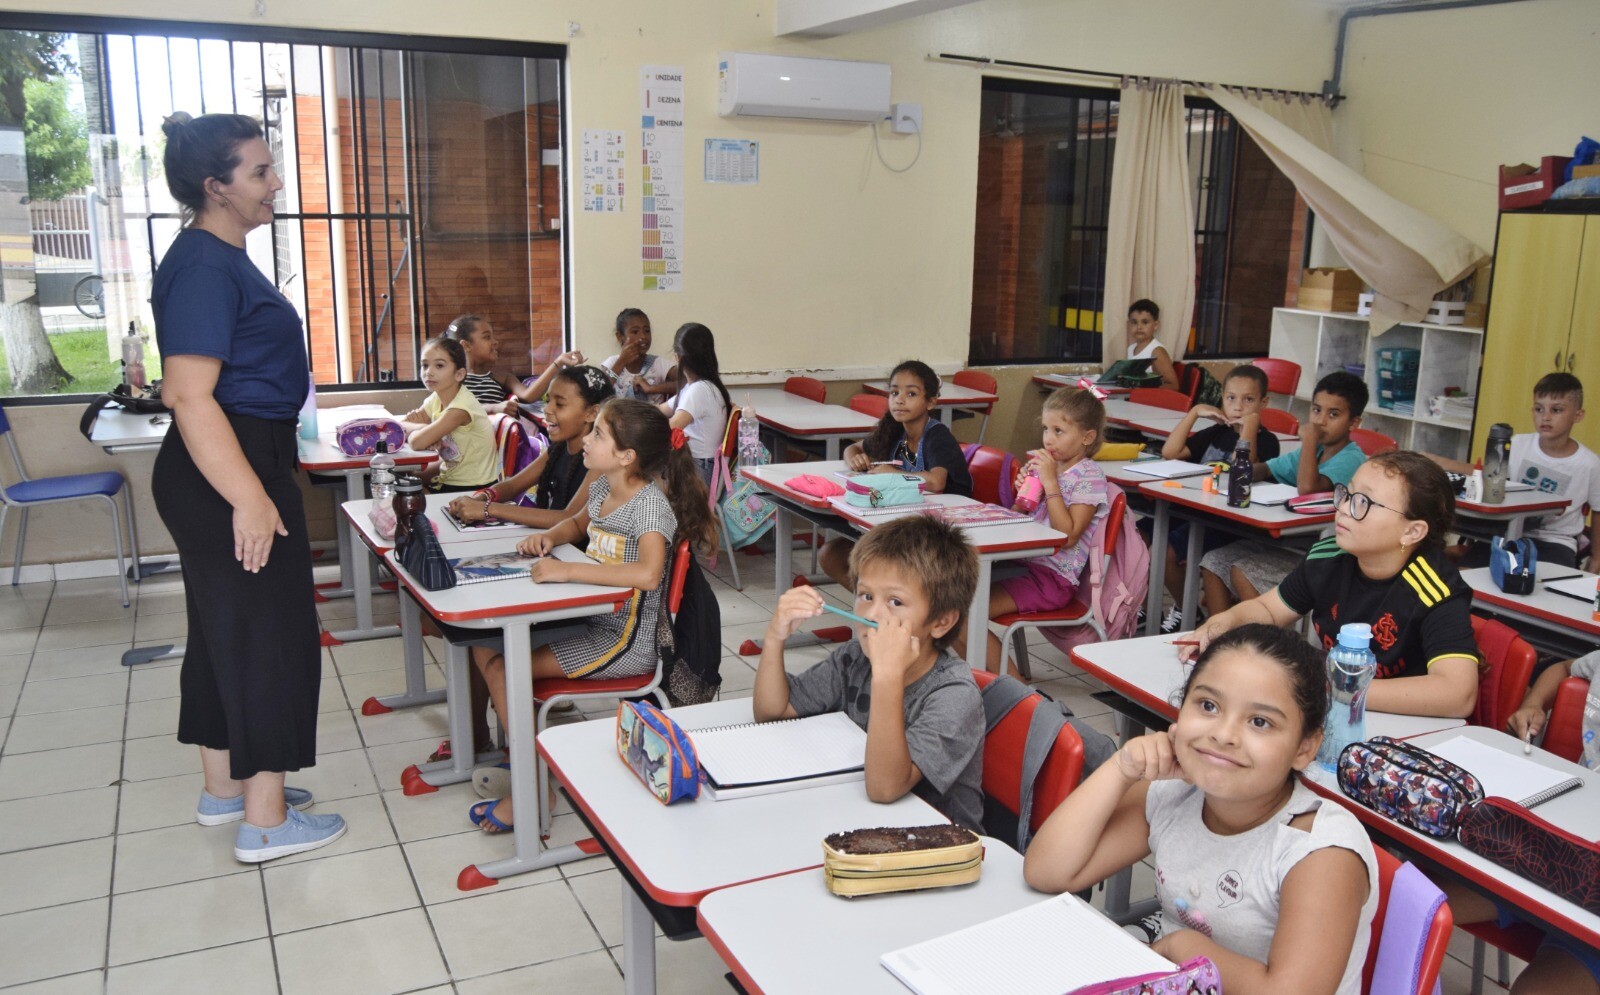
[648,493]
[1384,566]
[640,375]
[498,392]
[1241,570]
[1554,463]
[908,439]
[1561,966]
[1244,392]
[451,421]
[914,578]
[1144,324]
[1277,887]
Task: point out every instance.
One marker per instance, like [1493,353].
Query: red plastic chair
[1003,747]
[1372,443]
[991,483]
[1503,682]
[1279,420]
[1180,370]
[1079,612]
[1283,376]
[1159,397]
[1438,931]
[875,405]
[974,380]
[809,388]
[1564,734]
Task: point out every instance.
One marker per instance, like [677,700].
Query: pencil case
[1500,830]
[658,750]
[1408,784]
[360,436]
[882,490]
[878,861]
[1197,975]
[1112,451]
[1320,503]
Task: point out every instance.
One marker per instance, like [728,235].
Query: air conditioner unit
[787,86]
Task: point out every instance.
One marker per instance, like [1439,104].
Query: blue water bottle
[308,415]
[1350,669]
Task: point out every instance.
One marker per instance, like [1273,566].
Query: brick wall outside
[1260,239]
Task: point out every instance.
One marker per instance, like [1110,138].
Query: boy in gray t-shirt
[897,680]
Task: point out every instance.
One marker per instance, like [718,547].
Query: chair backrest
[1563,736]
[993,474]
[1279,420]
[730,434]
[681,558]
[1372,443]
[1283,376]
[1113,524]
[515,447]
[1003,747]
[875,405]
[809,388]
[1159,397]
[976,380]
[1426,957]
[1503,680]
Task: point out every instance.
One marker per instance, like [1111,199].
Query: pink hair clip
[1091,387]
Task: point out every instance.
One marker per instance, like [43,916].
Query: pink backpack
[1117,584]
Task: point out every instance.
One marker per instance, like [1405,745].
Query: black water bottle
[1496,463]
[1240,474]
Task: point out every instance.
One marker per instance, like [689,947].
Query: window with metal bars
[1044,186]
[422,181]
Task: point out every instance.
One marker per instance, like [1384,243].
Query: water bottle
[1031,493]
[1240,476]
[1496,463]
[308,414]
[1351,666]
[382,473]
[408,502]
[749,437]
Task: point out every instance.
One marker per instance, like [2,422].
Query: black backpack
[694,657]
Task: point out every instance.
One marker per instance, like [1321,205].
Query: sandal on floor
[442,753]
[483,812]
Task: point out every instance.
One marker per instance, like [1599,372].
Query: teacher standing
[233,358]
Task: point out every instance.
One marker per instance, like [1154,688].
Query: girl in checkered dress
[648,495]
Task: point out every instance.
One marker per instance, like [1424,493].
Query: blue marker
[850,615]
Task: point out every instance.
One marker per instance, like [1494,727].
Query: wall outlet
[905,118]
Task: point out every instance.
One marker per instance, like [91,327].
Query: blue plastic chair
[26,493]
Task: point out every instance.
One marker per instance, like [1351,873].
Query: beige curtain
[1150,228]
[1404,255]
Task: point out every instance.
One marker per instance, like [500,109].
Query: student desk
[117,432]
[512,606]
[992,542]
[1147,418]
[1262,521]
[1518,507]
[674,856]
[952,397]
[1124,474]
[1576,811]
[794,417]
[1543,609]
[322,455]
[1053,381]
[758,928]
[416,692]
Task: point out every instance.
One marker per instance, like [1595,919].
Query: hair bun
[175,122]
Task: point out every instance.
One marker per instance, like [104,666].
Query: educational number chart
[661,149]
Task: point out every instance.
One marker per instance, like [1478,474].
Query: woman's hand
[536,545]
[254,526]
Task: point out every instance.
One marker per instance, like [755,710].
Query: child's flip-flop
[483,812]
[442,753]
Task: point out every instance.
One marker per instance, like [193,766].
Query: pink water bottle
[1031,493]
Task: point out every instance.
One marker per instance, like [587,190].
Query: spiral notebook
[1169,469]
[1507,774]
[494,566]
[758,758]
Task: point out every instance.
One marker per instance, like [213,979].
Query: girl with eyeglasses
[1384,566]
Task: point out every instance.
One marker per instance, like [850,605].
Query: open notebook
[1272,494]
[758,758]
[1055,946]
[1169,469]
[1506,774]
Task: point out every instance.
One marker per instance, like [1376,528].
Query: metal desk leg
[150,654]
[1514,527]
[416,692]
[1191,573]
[830,448]
[1158,569]
[355,561]
[978,618]
[638,945]
[783,550]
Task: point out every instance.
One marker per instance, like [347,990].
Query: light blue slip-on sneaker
[214,811]
[299,832]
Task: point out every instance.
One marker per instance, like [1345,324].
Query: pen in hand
[1527,741]
[850,615]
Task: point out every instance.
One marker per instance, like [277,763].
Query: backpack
[693,653]
[515,448]
[1005,492]
[999,698]
[1201,386]
[746,515]
[1116,588]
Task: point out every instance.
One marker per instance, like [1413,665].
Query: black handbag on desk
[145,402]
[424,558]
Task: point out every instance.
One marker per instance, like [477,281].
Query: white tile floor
[108,885]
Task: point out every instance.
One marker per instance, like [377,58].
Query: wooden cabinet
[1544,316]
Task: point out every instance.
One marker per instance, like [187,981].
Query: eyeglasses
[1359,502]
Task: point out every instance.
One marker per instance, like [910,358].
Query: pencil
[850,615]
[1184,642]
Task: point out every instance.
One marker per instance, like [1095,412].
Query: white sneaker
[299,833]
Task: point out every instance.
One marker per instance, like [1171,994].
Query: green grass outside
[83,354]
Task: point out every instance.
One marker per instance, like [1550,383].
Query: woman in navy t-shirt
[234,359]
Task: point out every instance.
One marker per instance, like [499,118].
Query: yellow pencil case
[1112,451]
[876,861]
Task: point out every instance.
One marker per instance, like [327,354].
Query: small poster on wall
[604,167]
[661,184]
[732,160]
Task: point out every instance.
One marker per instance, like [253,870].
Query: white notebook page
[1169,468]
[1505,774]
[755,753]
[1044,949]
